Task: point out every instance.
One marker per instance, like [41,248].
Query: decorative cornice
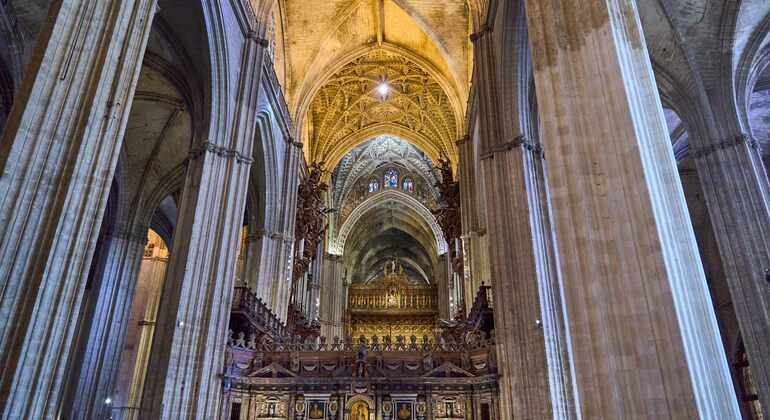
[128,235]
[208,147]
[332,257]
[485,29]
[518,141]
[253,237]
[703,151]
[259,40]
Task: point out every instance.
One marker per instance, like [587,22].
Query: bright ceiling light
[383,88]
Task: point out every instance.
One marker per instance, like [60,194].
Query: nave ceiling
[331,57]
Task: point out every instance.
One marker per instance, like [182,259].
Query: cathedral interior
[384,209]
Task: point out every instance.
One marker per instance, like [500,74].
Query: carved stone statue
[241,341]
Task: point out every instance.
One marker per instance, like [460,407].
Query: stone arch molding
[337,244]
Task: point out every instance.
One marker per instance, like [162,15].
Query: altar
[392,305]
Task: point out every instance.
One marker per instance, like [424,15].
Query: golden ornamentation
[316,411]
[271,406]
[359,411]
[404,413]
[392,305]
[449,407]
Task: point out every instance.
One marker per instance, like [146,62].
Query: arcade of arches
[384,209]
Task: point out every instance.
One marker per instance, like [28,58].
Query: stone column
[332,294]
[281,290]
[444,281]
[184,379]
[262,263]
[58,156]
[282,283]
[474,240]
[507,165]
[315,284]
[735,186]
[108,323]
[127,394]
[241,275]
[643,336]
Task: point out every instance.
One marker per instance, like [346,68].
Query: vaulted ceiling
[330,57]
[374,153]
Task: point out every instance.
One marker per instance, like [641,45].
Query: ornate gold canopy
[392,305]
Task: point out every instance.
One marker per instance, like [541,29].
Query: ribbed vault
[391,231]
[374,153]
[348,110]
[395,203]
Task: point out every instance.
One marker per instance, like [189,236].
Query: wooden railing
[481,303]
[247,303]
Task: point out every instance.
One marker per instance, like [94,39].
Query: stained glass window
[374,185]
[391,178]
[408,185]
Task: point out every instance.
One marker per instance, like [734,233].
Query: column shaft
[532,381]
[522,357]
[643,336]
[332,294]
[127,396]
[184,379]
[735,186]
[60,147]
[107,330]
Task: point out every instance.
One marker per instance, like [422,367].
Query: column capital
[221,151]
[297,144]
[462,140]
[742,138]
[127,234]
[518,141]
[483,30]
[262,42]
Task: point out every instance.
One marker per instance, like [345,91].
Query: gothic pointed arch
[337,245]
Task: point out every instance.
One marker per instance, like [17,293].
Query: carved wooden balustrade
[248,306]
[374,359]
[298,325]
[480,318]
[482,305]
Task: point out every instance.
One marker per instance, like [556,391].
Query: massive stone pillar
[114,293]
[531,354]
[444,282]
[333,301]
[129,382]
[184,379]
[735,186]
[58,156]
[262,263]
[282,281]
[643,337]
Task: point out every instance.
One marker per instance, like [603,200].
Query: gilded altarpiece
[392,305]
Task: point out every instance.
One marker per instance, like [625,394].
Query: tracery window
[391,178]
[408,185]
[374,185]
